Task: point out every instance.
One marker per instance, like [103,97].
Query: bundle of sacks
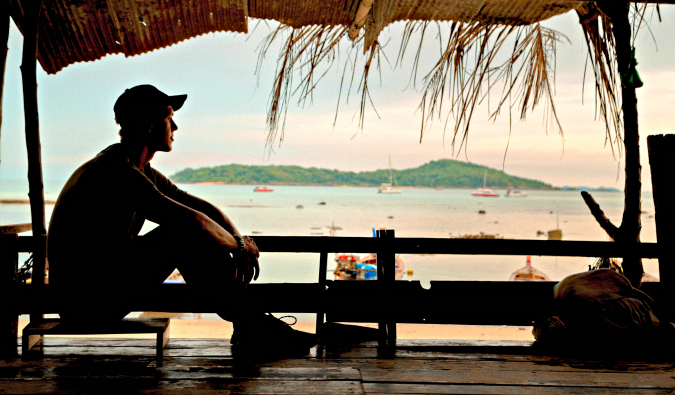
[600,311]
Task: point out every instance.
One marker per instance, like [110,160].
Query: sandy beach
[216,329]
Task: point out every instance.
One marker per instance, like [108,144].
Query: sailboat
[485,191]
[389,188]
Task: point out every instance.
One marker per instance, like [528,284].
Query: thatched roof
[72,31]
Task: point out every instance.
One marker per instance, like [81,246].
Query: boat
[514,193]
[485,191]
[528,273]
[389,188]
[352,267]
[263,189]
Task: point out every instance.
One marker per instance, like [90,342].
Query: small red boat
[263,189]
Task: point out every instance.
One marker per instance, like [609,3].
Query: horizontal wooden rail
[16,228]
[410,245]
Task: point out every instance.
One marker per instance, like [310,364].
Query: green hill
[441,173]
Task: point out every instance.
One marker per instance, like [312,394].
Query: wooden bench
[33,341]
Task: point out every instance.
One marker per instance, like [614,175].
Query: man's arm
[210,210]
[212,225]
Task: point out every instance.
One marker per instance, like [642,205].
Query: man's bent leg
[256,335]
[202,266]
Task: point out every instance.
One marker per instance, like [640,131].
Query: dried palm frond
[597,29]
[302,54]
[526,76]
[303,51]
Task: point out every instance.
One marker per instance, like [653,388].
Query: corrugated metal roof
[72,31]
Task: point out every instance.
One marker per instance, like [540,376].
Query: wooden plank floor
[108,365]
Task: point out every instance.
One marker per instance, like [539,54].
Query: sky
[223,119]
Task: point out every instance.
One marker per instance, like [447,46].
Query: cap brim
[176,102]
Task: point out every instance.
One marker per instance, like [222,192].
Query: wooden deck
[95,365]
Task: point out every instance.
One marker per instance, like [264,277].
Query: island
[435,174]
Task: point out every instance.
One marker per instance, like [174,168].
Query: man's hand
[247,267]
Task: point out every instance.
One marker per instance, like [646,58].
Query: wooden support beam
[4,37]
[35,185]
[30,103]
[323,268]
[661,148]
[9,261]
[386,268]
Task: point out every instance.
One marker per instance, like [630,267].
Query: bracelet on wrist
[240,243]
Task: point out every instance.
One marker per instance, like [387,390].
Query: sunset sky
[223,120]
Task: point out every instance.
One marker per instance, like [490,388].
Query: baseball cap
[135,102]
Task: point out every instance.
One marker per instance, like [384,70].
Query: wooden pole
[386,268]
[4,37]
[661,148]
[35,186]
[323,268]
[9,261]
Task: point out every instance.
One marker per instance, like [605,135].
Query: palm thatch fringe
[597,28]
[526,77]
[303,51]
[469,69]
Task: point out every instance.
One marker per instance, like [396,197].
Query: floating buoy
[410,272]
[299,206]
[481,211]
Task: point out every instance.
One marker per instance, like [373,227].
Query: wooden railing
[384,301]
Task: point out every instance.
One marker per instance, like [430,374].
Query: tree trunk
[629,231]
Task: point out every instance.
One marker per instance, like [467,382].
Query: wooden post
[30,104]
[661,148]
[35,186]
[9,324]
[323,268]
[386,275]
[4,37]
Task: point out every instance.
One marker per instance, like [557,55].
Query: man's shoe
[266,337]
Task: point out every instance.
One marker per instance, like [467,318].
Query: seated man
[96,253]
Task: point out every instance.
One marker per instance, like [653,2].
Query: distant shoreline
[601,189]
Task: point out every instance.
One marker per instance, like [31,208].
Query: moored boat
[352,267]
[528,273]
[389,188]
[485,191]
[263,189]
[514,193]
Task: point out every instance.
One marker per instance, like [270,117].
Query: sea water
[416,212]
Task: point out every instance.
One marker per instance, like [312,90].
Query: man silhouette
[96,253]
